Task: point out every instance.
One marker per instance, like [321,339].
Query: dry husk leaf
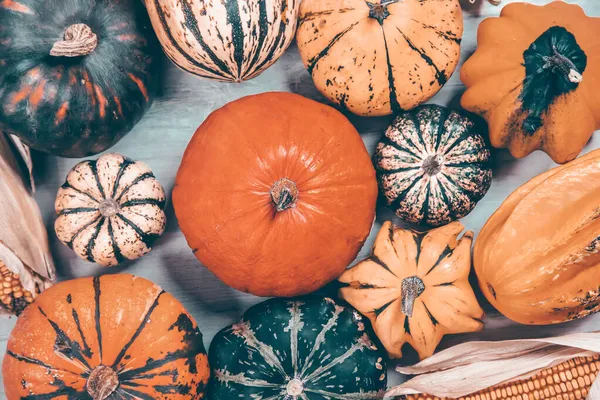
[470,367]
[24,246]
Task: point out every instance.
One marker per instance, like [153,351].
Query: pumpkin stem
[102,382]
[284,194]
[412,287]
[378,12]
[560,63]
[78,40]
[109,208]
[295,387]
[432,165]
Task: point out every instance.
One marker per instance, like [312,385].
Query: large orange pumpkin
[276,194]
[535,78]
[378,57]
[110,337]
[538,257]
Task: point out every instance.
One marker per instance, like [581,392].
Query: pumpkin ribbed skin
[516,81]
[538,257]
[264,183]
[378,57]
[110,210]
[79,335]
[232,40]
[305,348]
[75,106]
[415,287]
[433,165]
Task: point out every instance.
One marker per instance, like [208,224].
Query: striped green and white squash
[226,40]
[433,165]
[110,210]
[297,349]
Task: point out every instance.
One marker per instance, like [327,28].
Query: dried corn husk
[474,366]
[24,249]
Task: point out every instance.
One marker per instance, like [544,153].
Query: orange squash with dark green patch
[110,337]
[76,76]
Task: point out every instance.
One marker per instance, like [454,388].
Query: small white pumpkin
[110,210]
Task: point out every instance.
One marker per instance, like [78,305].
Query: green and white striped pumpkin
[433,165]
[297,349]
[110,210]
[226,40]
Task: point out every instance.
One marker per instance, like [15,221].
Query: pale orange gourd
[415,287]
[535,78]
[276,194]
[538,257]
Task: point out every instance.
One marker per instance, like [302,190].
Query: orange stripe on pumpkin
[118,26]
[141,85]
[15,6]
[61,113]
[131,38]
[89,87]
[37,95]
[32,76]
[72,78]
[118,103]
[102,102]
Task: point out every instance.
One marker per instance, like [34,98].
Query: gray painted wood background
[162,135]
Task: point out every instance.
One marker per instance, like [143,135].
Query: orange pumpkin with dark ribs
[109,337]
[276,194]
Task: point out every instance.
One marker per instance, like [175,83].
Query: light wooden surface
[161,137]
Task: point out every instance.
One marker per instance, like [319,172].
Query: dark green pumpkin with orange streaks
[75,76]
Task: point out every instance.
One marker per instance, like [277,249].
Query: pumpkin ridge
[92,166]
[116,250]
[237,36]
[440,76]
[63,345]
[444,35]
[122,168]
[76,234]
[309,16]
[191,24]
[76,210]
[138,331]
[97,293]
[87,351]
[389,142]
[444,114]
[143,201]
[313,61]
[262,35]
[146,238]
[173,42]
[67,185]
[146,175]
[92,242]
[34,361]
[394,104]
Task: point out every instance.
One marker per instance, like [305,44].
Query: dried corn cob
[13,297]
[569,380]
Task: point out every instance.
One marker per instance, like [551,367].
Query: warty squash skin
[379,57]
[433,165]
[535,78]
[110,337]
[306,348]
[276,194]
[415,287]
[75,76]
[229,41]
[538,257]
[110,210]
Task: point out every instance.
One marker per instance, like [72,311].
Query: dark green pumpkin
[433,165]
[92,90]
[297,349]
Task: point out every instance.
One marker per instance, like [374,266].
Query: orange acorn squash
[379,57]
[415,287]
[535,78]
[538,257]
[110,337]
[276,194]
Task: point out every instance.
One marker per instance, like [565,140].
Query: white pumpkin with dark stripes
[433,165]
[379,57]
[226,40]
[110,210]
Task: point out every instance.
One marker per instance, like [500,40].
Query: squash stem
[102,382]
[284,194]
[78,40]
[559,63]
[109,208]
[412,288]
